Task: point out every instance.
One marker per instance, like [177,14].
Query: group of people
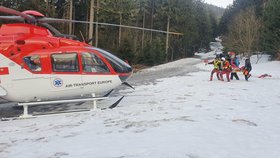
[229,65]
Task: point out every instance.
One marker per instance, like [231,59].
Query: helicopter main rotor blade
[53,20]
[30,19]
[17,18]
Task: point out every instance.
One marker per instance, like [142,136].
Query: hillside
[218,11]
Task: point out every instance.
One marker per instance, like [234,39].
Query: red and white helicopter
[39,65]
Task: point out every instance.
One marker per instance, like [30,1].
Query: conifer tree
[271,27]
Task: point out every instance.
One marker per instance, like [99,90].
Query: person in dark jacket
[247,69]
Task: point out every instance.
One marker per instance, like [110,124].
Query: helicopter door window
[33,62]
[92,63]
[67,62]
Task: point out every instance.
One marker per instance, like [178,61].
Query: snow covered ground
[184,116]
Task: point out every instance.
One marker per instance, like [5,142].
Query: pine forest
[246,27]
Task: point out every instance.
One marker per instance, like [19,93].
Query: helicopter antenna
[82,36]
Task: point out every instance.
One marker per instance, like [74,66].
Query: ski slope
[179,116]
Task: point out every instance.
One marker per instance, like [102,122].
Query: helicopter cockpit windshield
[118,65]
[122,68]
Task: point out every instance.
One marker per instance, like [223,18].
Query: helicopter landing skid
[27,104]
[26,115]
[93,107]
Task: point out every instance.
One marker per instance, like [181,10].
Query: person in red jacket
[226,69]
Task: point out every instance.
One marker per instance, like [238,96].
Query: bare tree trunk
[167,39]
[152,19]
[120,30]
[143,32]
[96,27]
[135,37]
[91,18]
[47,6]
[70,16]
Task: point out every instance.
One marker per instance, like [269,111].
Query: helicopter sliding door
[93,64]
[66,75]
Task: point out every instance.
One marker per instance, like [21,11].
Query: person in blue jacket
[234,62]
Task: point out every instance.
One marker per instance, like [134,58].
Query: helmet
[223,58]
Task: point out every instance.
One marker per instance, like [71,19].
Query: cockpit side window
[92,63]
[33,62]
[65,62]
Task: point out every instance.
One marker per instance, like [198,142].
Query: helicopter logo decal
[57,82]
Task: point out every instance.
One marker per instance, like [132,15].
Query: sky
[220,3]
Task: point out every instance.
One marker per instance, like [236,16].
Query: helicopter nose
[126,73]
[122,68]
